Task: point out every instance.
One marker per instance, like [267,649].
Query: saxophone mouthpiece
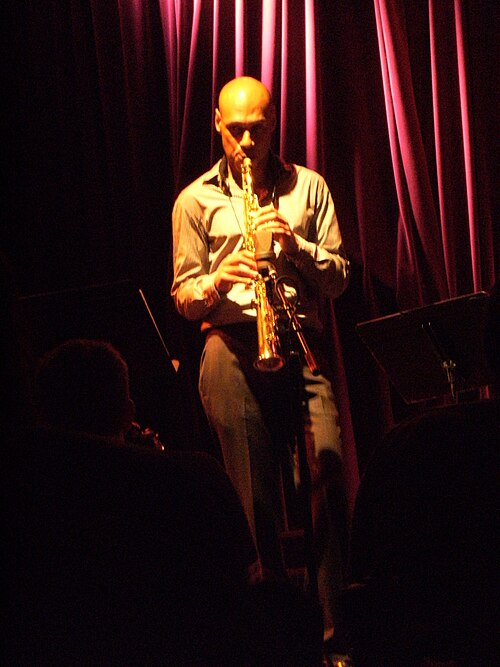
[246,164]
[239,159]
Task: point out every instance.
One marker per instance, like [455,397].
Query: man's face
[245,120]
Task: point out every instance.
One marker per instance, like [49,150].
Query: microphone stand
[296,327]
[297,403]
[266,268]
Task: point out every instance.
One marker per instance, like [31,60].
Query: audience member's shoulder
[138,478]
[437,434]
[44,442]
[57,450]
[457,419]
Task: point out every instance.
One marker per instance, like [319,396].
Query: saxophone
[269,357]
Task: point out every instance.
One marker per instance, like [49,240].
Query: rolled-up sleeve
[321,260]
[193,288]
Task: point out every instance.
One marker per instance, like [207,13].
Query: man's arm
[320,259]
[199,286]
[193,288]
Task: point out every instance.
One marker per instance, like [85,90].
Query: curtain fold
[468,148]
[440,235]
[420,264]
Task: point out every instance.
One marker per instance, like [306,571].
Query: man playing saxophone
[215,272]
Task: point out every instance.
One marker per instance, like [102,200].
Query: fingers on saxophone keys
[246,272]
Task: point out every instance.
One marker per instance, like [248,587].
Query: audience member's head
[83,385]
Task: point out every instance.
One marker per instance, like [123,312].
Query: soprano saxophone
[269,357]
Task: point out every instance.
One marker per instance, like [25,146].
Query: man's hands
[270,219]
[238,267]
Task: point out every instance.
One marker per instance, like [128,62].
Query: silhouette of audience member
[117,554]
[424,553]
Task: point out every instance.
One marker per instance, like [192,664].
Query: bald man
[251,412]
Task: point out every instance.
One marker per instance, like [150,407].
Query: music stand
[432,351]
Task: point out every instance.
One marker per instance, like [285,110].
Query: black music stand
[118,313]
[433,351]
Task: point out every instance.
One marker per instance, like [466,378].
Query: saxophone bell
[269,357]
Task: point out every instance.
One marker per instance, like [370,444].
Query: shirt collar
[283,173]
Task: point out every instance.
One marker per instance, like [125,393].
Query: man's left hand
[270,219]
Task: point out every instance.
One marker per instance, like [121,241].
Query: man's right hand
[238,267]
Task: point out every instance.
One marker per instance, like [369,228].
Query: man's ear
[217,120]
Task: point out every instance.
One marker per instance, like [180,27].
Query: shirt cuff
[211,295]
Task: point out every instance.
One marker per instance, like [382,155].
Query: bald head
[244,92]
[246,119]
